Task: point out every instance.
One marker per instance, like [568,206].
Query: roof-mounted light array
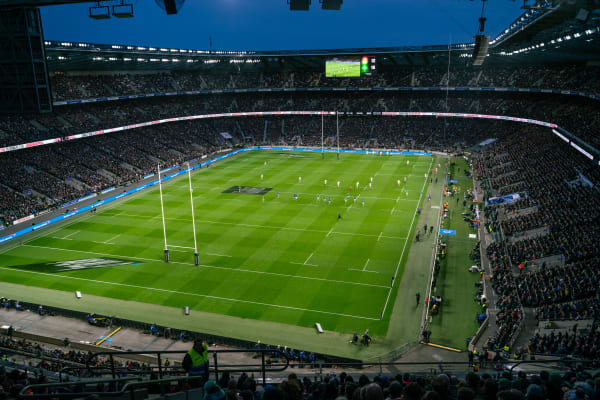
[565,38]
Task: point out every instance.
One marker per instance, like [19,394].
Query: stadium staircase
[537,232]
[528,328]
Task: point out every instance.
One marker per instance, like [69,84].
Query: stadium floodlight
[299,5]
[330,4]
[99,12]
[122,10]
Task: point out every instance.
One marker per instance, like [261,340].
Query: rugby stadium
[189,223]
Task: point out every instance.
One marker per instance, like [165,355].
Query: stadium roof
[551,33]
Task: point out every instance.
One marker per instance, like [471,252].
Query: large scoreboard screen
[350,67]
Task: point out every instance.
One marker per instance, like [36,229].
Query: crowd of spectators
[578,116]
[569,77]
[541,168]
[510,314]
[67,171]
[574,384]
[552,386]
[54,358]
[552,285]
[555,197]
[583,343]
[49,176]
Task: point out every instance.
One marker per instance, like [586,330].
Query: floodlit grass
[282,260]
[457,318]
[342,69]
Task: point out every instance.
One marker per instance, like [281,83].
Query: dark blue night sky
[270,25]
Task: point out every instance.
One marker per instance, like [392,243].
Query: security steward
[195,362]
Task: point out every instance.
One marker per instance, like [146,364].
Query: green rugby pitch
[281,260]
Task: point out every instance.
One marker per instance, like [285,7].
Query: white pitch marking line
[367,263]
[46,232]
[384,174]
[209,266]
[189,294]
[112,238]
[59,238]
[392,210]
[218,255]
[273,227]
[379,237]
[310,265]
[353,202]
[361,270]
[405,242]
[70,234]
[365,234]
[338,195]
[305,262]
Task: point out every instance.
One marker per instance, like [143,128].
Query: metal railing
[161,369]
[122,387]
[119,387]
